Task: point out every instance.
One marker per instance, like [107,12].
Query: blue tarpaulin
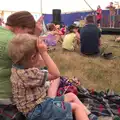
[69,18]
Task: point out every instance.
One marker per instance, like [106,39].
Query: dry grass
[94,72]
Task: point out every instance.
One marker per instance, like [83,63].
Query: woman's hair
[22,19]
[21,47]
[51,26]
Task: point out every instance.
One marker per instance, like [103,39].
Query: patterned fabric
[10,112]
[66,81]
[67,85]
[28,88]
[100,103]
[67,89]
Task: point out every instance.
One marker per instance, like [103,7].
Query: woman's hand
[39,26]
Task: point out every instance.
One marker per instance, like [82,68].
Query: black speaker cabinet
[57,16]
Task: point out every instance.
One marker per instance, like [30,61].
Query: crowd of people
[73,38]
[23,56]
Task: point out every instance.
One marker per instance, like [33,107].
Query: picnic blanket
[106,104]
[102,103]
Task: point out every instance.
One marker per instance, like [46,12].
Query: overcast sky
[48,5]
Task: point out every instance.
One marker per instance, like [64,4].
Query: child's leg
[58,38]
[52,91]
[110,21]
[113,21]
[70,97]
[79,112]
[75,44]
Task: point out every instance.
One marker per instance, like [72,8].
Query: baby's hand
[41,46]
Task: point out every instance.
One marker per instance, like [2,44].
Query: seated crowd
[23,54]
[88,39]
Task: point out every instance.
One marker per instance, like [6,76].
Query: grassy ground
[94,72]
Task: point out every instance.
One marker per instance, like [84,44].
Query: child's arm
[56,33]
[40,63]
[78,37]
[52,68]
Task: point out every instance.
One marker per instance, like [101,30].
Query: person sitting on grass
[59,36]
[63,29]
[52,36]
[90,37]
[71,39]
[28,83]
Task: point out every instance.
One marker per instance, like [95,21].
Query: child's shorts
[51,109]
[112,17]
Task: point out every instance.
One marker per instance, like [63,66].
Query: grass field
[94,72]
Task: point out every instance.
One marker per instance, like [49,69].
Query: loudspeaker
[56,16]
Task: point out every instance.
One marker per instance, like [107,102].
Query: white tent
[36,7]
[48,5]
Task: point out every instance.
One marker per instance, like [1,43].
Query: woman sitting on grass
[71,39]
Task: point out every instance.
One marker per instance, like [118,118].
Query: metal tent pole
[89,5]
[41,2]
[41,10]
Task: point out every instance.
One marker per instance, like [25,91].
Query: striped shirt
[28,88]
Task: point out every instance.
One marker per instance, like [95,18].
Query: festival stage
[110,31]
